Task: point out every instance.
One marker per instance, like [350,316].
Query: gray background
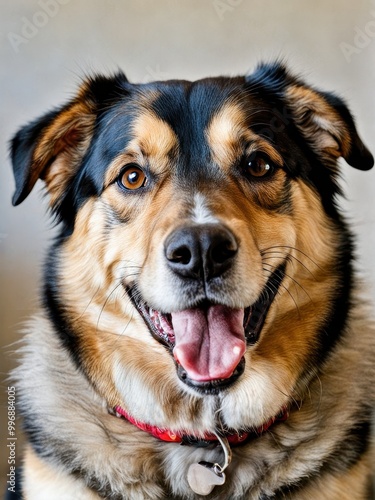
[45,50]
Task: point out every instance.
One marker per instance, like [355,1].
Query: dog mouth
[208,341]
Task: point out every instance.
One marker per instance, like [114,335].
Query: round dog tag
[204,476]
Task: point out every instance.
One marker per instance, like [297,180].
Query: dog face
[201,253]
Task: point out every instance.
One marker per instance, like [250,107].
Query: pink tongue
[209,343]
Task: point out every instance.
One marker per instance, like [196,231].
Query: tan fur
[65,141]
[349,486]
[224,133]
[104,261]
[57,485]
[119,239]
[153,140]
[318,120]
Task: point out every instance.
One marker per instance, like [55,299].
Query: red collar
[169,436]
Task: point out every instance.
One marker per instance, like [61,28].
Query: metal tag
[204,476]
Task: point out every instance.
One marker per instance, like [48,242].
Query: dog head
[201,252]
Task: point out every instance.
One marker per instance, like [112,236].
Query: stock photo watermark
[223,7]
[154,74]
[363,37]
[31,26]
[11,440]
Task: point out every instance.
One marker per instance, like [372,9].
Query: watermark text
[362,38]
[31,26]
[11,440]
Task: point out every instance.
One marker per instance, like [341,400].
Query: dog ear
[327,124]
[52,147]
[322,118]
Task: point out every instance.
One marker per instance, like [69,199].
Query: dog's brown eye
[132,178]
[257,166]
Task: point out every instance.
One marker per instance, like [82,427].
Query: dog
[202,332]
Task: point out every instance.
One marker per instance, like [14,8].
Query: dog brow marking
[154,135]
[200,213]
[223,132]
[153,139]
[227,133]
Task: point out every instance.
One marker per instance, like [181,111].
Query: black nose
[200,251]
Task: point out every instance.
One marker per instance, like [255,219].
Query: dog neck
[235,438]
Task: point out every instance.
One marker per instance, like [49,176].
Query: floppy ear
[322,118]
[52,147]
[327,125]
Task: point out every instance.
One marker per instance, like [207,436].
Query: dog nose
[200,251]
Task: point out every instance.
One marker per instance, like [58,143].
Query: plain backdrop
[47,45]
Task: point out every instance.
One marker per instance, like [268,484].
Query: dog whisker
[272,267]
[286,290]
[290,258]
[169,311]
[108,298]
[288,247]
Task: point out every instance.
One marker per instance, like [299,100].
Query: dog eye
[258,166]
[132,177]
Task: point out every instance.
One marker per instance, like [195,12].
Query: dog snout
[202,251]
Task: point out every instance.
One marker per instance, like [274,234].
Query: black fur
[263,93]
[188,108]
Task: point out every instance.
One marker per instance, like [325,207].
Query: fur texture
[203,276]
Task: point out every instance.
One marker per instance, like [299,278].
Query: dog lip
[211,386]
[160,324]
[256,314]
